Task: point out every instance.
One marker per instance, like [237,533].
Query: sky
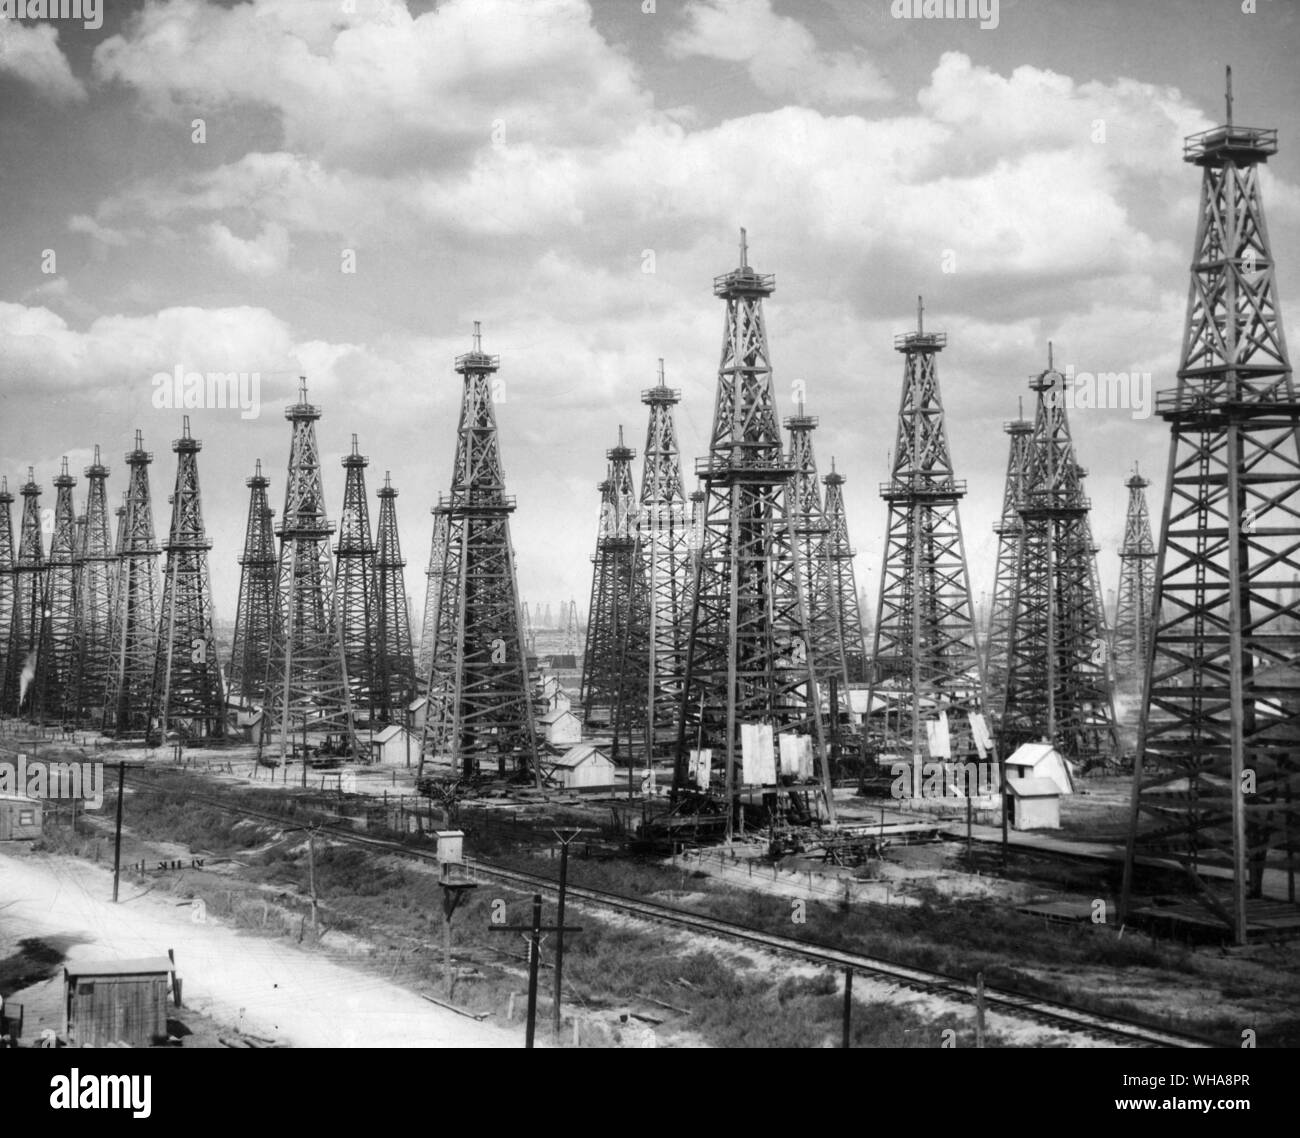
[337,189]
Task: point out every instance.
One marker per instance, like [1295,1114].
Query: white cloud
[103,234]
[258,256]
[31,53]
[780,54]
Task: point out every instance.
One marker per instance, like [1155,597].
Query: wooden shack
[107,1001]
[20,818]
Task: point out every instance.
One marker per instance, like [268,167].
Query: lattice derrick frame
[136,602]
[1007,528]
[29,597]
[925,628]
[257,612]
[1212,710]
[394,665]
[56,659]
[187,684]
[748,612]
[6,588]
[432,596]
[479,699]
[842,589]
[1057,684]
[355,582]
[97,563]
[307,676]
[1133,616]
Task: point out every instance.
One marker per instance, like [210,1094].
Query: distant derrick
[28,602]
[432,593]
[97,567]
[6,591]
[56,661]
[393,669]
[1137,560]
[257,616]
[187,693]
[928,671]
[480,707]
[136,604]
[1008,529]
[842,591]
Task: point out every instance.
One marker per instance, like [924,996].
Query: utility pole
[534,933]
[566,839]
[848,1006]
[117,837]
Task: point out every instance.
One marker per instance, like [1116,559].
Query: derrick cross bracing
[1217,778]
[28,601]
[135,603]
[257,617]
[480,708]
[187,691]
[1007,528]
[1058,687]
[811,530]
[354,558]
[928,673]
[56,660]
[393,672]
[308,680]
[432,594]
[1137,559]
[97,565]
[844,603]
[6,588]
[572,632]
[654,653]
[612,582]
[747,659]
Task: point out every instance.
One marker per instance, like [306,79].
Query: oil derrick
[654,644]
[613,579]
[928,669]
[6,587]
[1057,684]
[748,670]
[530,637]
[187,695]
[842,591]
[432,593]
[572,635]
[546,618]
[28,601]
[136,603]
[1136,583]
[480,708]
[56,660]
[1217,774]
[355,556]
[97,566]
[695,542]
[393,671]
[257,615]
[1007,528]
[308,680]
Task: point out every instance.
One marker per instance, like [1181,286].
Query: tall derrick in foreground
[6,588]
[393,667]
[56,660]
[135,633]
[842,591]
[1007,528]
[432,594]
[1217,778]
[1137,560]
[480,709]
[97,566]
[1057,683]
[749,679]
[257,615]
[928,670]
[613,580]
[810,531]
[355,557]
[187,696]
[654,646]
[28,602]
[308,682]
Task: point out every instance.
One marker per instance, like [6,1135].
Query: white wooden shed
[582,766]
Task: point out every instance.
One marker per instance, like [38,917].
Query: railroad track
[1106,1027]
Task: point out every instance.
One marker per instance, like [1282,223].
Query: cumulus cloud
[780,54]
[31,53]
[258,256]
